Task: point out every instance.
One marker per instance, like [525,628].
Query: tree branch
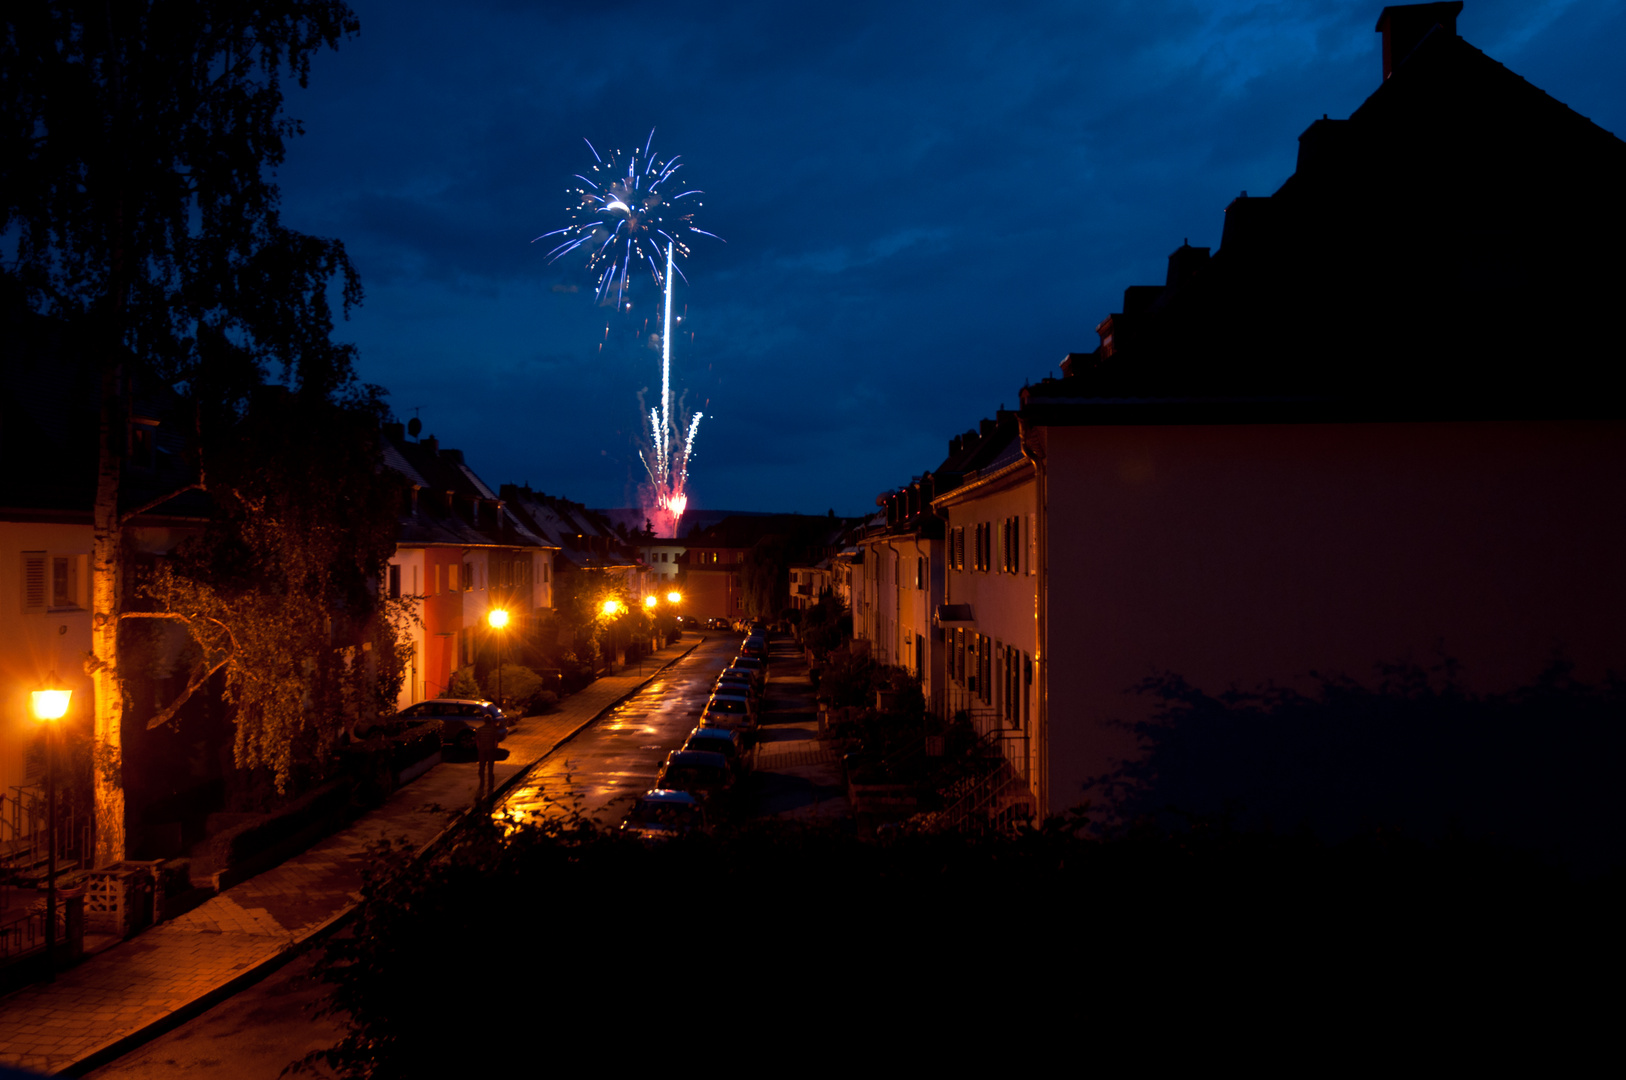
[168,714]
[126,517]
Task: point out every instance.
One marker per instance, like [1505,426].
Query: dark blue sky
[925,205]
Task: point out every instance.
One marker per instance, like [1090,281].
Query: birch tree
[138,140]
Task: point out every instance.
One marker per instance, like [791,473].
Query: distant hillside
[633,517]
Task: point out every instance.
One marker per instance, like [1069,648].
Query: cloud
[924,203]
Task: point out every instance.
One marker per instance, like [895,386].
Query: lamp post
[50,705]
[610,610]
[498,618]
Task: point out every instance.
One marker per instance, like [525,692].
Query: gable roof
[1440,247]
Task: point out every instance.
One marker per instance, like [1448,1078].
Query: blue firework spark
[627,209]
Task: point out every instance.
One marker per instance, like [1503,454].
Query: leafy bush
[462,684]
[543,701]
[875,921]
[518,683]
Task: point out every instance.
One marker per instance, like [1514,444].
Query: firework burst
[629,210]
[632,211]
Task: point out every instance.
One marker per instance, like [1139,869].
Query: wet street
[613,761]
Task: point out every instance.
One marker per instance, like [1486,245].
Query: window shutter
[33,571]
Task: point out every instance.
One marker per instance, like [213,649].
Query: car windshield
[712,744]
[658,813]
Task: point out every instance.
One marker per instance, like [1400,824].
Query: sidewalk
[116,1000]
[799,770]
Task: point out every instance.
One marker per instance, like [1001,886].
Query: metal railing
[22,932]
[995,791]
[23,817]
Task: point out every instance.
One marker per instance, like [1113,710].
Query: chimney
[1185,264]
[1404,26]
[454,456]
[395,432]
[430,444]
[954,445]
[986,428]
[1075,363]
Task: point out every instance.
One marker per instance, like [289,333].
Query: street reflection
[604,767]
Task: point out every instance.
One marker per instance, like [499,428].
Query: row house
[1297,459]
[711,564]
[809,583]
[589,553]
[461,552]
[901,580]
[662,557]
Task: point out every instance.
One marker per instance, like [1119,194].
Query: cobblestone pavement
[799,771]
[115,999]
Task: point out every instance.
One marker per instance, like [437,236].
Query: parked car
[689,622]
[719,741]
[459,717]
[699,772]
[728,693]
[663,814]
[752,665]
[738,712]
[717,623]
[745,681]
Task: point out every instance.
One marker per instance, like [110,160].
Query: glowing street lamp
[674,597]
[50,705]
[498,618]
[650,602]
[611,608]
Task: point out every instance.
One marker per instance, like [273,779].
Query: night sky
[925,205]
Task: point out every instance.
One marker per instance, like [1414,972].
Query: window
[33,581]
[920,572]
[468,577]
[451,577]
[957,548]
[1027,690]
[65,581]
[1012,684]
[394,587]
[985,669]
[1033,543]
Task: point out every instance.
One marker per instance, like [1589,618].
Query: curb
[124,1044]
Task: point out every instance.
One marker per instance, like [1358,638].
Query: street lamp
[674,597]
[498,618]
[649,602]
[611,608]
[50,705]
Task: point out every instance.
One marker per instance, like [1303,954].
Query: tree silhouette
[135,155]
